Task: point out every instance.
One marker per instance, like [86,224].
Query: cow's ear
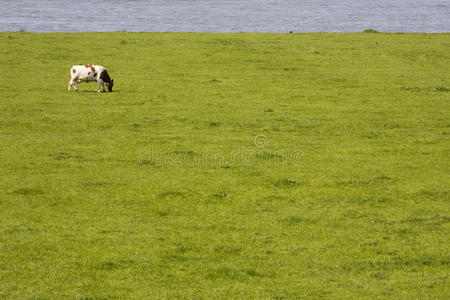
[112,81]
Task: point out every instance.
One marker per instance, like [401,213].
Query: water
[225,15]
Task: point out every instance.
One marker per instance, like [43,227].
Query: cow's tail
[72,71]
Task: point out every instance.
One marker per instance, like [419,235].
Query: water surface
[225,15]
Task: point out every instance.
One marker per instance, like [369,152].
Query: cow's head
[110,85]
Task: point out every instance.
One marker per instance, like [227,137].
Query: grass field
[229,166]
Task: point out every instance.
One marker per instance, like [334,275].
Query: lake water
[225,15]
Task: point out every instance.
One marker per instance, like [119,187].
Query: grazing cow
[88,73]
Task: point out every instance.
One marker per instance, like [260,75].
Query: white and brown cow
[88,73]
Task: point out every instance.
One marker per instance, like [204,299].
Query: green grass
[245,166]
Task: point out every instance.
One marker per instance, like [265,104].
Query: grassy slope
[361,211]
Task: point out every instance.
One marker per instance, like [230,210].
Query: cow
[88,73]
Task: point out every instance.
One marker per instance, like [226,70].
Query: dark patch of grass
[215,124]
[353,214]
[253,273]
[221,195]
[370,199]
[28,191]
[64,155]
[356,182]
[94,184]
[383,177]
[22,229]
[271,198]
[182,249]
[370,30]
[121,264]
[225,273]
[163,213]
[294,220]
[364,182]
[227,42]
[378,275]
[229,273]
[266,155]
[172,195]
[391,125]
[107,231]
[411,88]
[146,162]
[435,220]
[186,153]
[127,261]
[297,250]
[373,134]
[108,265]
[287,182]
[175,258]
[442,89]
[228,250]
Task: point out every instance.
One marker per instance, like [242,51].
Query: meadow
[229,166]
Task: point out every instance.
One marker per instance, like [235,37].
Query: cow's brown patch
[89,73]
[73,71]
[92,68]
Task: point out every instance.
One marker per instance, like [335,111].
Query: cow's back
[86,72]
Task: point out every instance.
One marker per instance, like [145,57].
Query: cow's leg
[72,77]
[99,83]
[74,84]
[103,85]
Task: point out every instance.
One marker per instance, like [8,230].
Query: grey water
[225,15]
